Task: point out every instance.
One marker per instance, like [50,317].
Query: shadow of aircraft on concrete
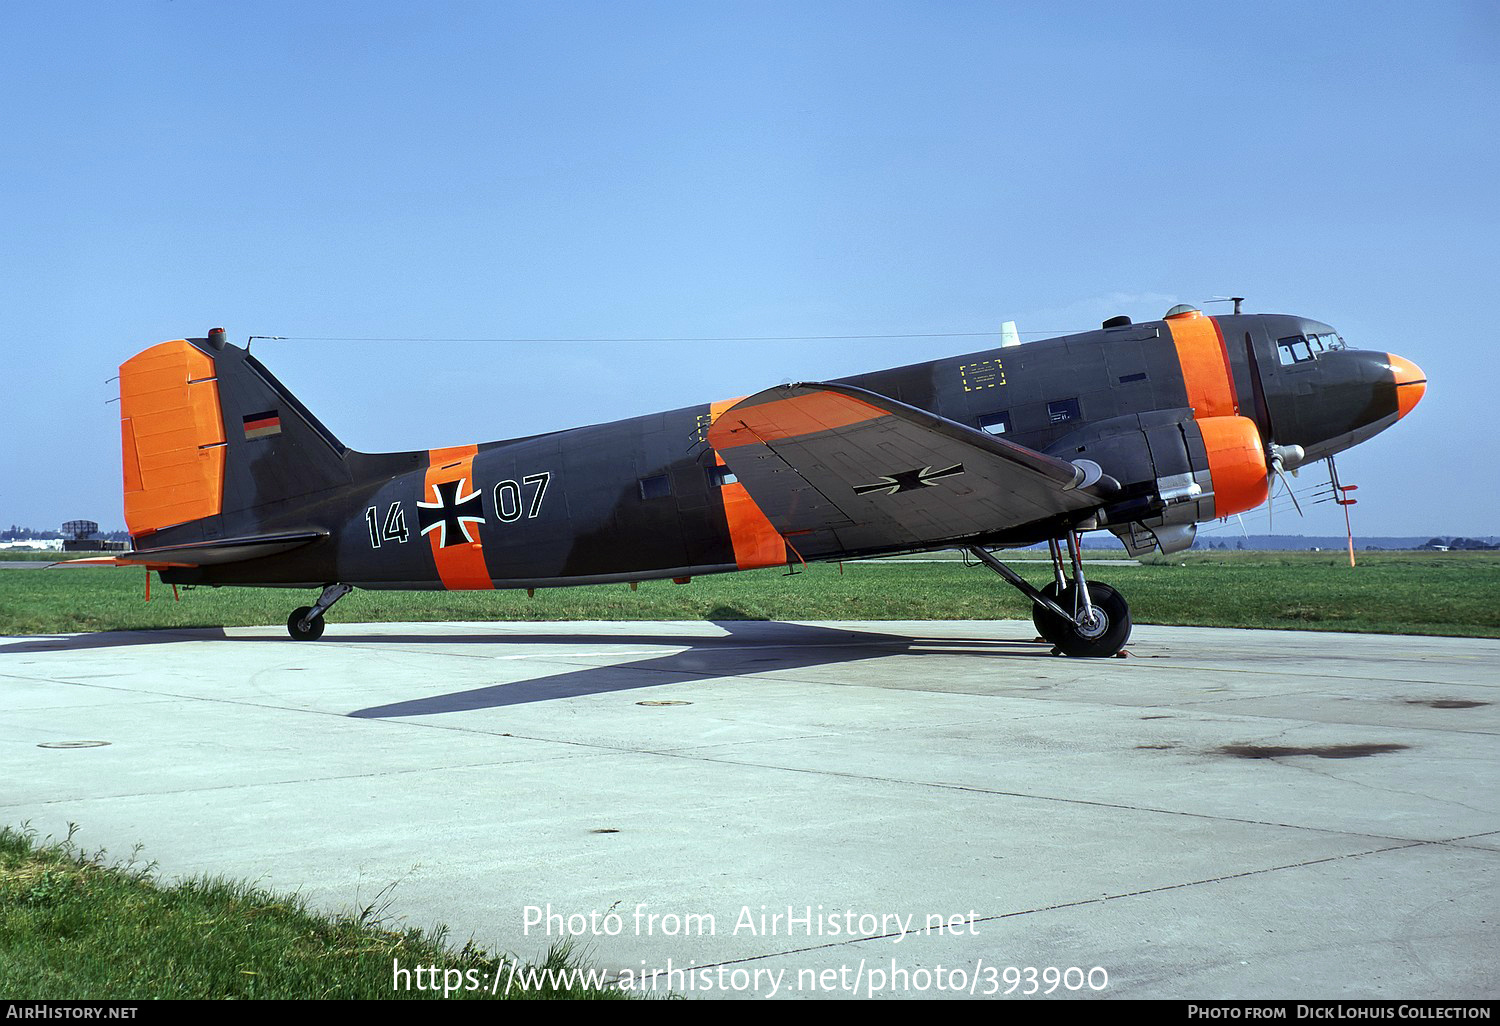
[111,639]
[746,648]
[749,647]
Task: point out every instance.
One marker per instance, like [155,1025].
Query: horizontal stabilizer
[210,553]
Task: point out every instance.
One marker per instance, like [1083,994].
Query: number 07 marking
[508,498]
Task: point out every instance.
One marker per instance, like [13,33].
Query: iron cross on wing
[909,480]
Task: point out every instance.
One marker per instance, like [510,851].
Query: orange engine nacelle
[1236,462]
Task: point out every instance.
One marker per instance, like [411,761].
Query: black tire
[303,629]
[1045,620]
[1105,637]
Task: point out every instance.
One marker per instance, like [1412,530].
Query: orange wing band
[461,567]
[788,418]
[756,543]
[171,437]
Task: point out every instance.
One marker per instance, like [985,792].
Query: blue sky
[631,170]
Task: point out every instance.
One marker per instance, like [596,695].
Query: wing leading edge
[839,468]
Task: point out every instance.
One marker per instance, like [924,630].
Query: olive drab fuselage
[1181,414]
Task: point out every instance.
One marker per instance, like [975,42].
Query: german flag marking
[263,425]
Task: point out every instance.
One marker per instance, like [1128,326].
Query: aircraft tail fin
[209,436]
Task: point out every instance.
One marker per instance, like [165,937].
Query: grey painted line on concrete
[1117,897]
[1036,797]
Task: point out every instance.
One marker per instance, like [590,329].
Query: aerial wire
[662,338]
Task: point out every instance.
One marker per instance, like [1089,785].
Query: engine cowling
[1236,464]
[1176,471]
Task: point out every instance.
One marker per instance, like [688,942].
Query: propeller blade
[1288,485]
[1277,456]
[1270,499]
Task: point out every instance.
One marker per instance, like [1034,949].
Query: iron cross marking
[451,515]
[909,480]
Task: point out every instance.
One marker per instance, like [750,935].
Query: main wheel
[303,629]
[1104,635]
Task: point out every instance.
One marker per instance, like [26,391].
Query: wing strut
[1011,577]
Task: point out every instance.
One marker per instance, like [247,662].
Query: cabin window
[658,487]
[995,423]
[1294,349]
[1061,411]
[718,477]
[1126,379]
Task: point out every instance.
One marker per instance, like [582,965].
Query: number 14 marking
[395,525]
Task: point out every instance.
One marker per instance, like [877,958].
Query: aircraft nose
[1411,383]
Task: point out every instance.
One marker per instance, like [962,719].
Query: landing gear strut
[1092,620]
[306,622]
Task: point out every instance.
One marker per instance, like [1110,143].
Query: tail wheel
[303,628]
[1104,635]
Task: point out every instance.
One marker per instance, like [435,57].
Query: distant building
[82,536]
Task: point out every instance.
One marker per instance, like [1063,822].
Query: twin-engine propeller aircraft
[1144,430]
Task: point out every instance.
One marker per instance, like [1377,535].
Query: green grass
[72,926]
[1446,593]
[1440,593]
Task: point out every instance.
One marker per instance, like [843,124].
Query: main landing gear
[1092,620]
[306,622]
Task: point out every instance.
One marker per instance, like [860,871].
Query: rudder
[209,436]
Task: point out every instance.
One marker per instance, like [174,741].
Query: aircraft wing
[857,470]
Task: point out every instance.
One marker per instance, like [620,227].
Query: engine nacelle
[1236,464]
[1176,471]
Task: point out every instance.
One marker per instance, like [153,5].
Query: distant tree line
[1460,543]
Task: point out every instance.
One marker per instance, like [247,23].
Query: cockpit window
[1301,348]
[1294,349]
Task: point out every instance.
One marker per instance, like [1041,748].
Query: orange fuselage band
[460,566]
[1205,366]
